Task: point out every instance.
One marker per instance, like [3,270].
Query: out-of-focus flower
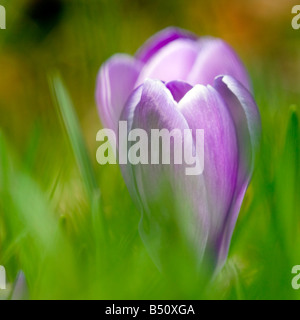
[20,290]
[17,290]
[177,81]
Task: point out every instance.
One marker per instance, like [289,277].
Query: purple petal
[178,89]
[159,40]
[158,110]
[127,115]
[116,80]
[173,62]
[245,115]
[216,58]
[203,108]
[20,291]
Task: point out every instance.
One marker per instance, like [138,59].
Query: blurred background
[72,240]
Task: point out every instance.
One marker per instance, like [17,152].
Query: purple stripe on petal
[116,80]
[161,39]
[246,117]
[129,108]
[203,108]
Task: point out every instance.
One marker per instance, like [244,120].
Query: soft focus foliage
[70,224]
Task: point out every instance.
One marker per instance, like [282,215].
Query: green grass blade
[71,123]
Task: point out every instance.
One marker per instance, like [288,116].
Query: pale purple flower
[20,290]
[178,81]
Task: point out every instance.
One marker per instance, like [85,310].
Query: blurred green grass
[69,223]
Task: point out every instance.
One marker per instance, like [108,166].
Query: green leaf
[71,123]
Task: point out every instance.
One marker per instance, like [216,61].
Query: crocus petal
[178,89]
[173,62]
[127,115]
[20,291]
[245,115]
[203,108]
[159,40]
[116,80]
[157,109]
[216,58]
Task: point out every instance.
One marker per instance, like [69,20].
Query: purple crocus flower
[176,81]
